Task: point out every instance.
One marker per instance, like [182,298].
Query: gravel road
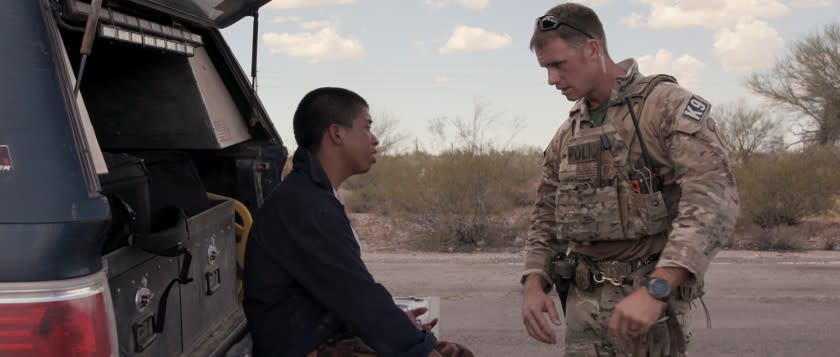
[762,304]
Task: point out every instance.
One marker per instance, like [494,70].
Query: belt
[615,272]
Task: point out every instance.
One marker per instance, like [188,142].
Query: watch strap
[646,281]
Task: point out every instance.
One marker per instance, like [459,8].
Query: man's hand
[634,315]
[536,303]
[413,315]
[450,349]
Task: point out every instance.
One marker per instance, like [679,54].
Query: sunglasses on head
[551,22]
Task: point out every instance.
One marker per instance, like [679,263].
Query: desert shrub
[783,188]
[832,243]
[458,198]
[783,237]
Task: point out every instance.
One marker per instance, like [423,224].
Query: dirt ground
[761,303]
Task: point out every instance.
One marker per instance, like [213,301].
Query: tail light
[73,318]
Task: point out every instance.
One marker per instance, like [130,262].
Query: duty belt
[614,272]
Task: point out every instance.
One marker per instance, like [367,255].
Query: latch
[144,333]
[143,297]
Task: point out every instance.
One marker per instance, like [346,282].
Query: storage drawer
[212,295]
[137,281]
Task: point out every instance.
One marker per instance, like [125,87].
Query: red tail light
[48,320]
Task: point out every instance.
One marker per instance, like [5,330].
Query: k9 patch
[696,108]
[5,158]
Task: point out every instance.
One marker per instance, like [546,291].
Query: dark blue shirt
[305,280]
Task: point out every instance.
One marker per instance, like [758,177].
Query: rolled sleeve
[708,205]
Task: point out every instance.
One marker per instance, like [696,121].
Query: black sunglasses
[550,22]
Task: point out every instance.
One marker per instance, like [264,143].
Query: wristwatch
[660,289]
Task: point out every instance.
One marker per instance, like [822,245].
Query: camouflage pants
[354,347]
[587,320]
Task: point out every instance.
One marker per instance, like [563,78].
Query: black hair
[321,108]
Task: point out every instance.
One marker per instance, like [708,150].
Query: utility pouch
[657,342]
[583,277]
[664,339]
[563,272]
[644,214]
[644,181]
[585,213]
[563,267]
[677,341]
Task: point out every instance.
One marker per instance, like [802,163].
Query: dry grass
[783,189]
[379,233]
[455,201]
[461,201]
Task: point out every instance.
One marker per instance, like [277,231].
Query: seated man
[305,282]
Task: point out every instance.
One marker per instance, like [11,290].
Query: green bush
[783,188]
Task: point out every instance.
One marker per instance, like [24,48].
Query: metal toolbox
[212,243]
[137,281]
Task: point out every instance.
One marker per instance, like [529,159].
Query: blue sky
[416,60]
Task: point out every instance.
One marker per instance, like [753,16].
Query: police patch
[696,108]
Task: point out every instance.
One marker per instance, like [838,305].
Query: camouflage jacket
[688,154]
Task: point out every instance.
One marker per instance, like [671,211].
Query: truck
[133,149]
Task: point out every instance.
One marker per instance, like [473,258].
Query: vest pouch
[586,213]
[645,214]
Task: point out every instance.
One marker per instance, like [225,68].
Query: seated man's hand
[450,349]
[413,315]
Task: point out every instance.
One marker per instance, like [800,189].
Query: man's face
[359,143]
[569,70]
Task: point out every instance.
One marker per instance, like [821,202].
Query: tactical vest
[596,200]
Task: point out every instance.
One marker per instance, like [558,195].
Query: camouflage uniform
[586,202]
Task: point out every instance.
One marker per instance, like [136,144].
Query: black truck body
[122,208]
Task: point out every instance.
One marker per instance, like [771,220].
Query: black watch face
[659,288]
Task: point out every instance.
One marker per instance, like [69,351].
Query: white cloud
[318,24]
[308,25]
[325,44]
[469,4]
[752,44]
[594,3]
[285,19]
[437,4]
[670,14]
[633,20]
[685,68]
[440,79]
[294,4]
[811,3]
[466,38]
